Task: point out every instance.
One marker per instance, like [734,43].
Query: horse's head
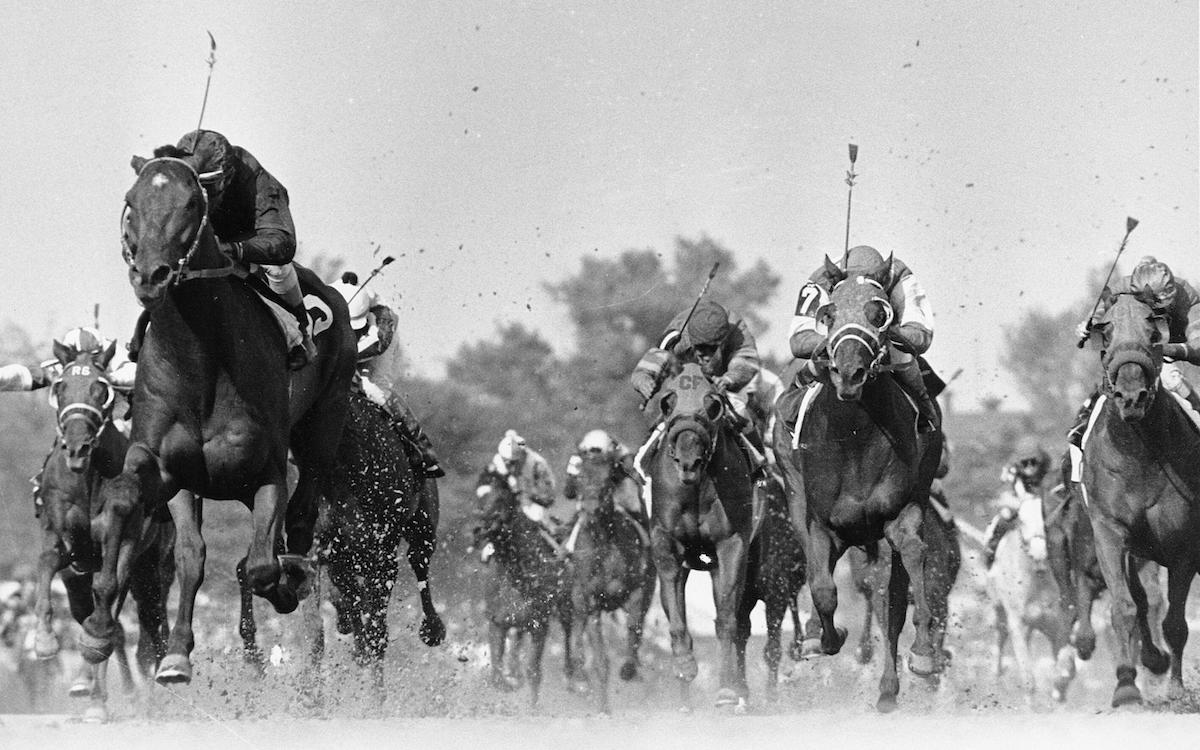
[83,400]
[498,504]
[597,478]
[164,224]
[1132,336]
[857,316]
[690,408]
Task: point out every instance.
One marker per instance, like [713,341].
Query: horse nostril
[160,275]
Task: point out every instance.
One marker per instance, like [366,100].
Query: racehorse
[88,452]
[1071,551]
[611,569]
[775,573]
[858,472]
[526,583]
[1026,597]
[702,519]
[870,573]
[214,409]
[377,500]
[1141,482]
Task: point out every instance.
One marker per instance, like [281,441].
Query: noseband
[97,417]
[869,337]
[181,272]
[690,422]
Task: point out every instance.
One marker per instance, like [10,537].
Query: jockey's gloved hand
[897,340]
[231,249]
[574,464]
[644,384]
[1083,329]
[1175,351]
[721,383]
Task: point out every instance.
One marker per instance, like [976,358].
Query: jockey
[909,336]
[1153,283]
[528,476]
[1023,476]
[627,496]
[374,324]
[725,350]
[17,377]
[249,214]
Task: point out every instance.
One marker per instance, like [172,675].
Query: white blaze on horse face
[1033,525]
[160,180]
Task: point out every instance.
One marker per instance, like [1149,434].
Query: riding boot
[1001,525]
[909,378]
[306,351]
[1075,434]
[429,459]
[134,347]
[410,431]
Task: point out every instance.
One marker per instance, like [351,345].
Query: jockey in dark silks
[1178,303]
[18,377]
[909,334]
[626,495]
[374,324]
[1023,476]
[250,215]
[725,350]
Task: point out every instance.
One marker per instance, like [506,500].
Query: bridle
[181,272]
[1144,354]
[871,338]
[97,417]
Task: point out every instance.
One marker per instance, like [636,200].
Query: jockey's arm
[807,334]
[385,321]
[1187,350]
[744,362]
[273,242]
[24,378]
[913,330]
[122,376]
[647,375]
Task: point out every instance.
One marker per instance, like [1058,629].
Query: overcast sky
[488,146]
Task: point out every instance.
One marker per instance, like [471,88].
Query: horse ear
[137,162]
[833,271]
[63,353]
[666,404]
[106,356]
[889,271]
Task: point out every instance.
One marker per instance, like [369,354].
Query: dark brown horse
[611,568]
[775,573]
[214,408]
[858,472]
[526,584]
[702,518]
[1141,481]
[89,451]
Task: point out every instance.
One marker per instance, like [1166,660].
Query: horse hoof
[297,573]
[726,697]
[1059,693]
[81,687]
[1126,695]
[796,651]
[433,631]
[811,648]
[94,650]
[741,708]
[504,683]
[46,645]
[175,669]
[345,623]
[686,668]
[920,664]
[579,686]
[1175,690]
[839,640]
[95,715]
[1085,646]
[282,598]
[886,704]
[1154,660]
[629,671]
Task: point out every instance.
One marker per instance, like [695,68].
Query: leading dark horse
[1141,481]
[214,408]
[859,472]
[611,568]
[89,451]
[702,518]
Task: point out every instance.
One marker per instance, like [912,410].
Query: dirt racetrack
[439,697]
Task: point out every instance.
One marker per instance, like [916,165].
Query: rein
[870,337]
[181,272]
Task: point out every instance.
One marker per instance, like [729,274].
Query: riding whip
[850,175]
[96,316]
[1130,223]
[374,273]
[212,60]
[683,327]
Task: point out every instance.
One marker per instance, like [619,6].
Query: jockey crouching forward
[725,350]
[18,377]
[249,213]
[908,336]
[1177,301]
[626,495]
[1023,477]
[374,325]
[529,477]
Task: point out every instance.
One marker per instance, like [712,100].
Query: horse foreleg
[247,627]
[871,589]
[904,534]
[537,648]
[421,535]
[263,570]
[1083,635]
[729,585]
[1020,633]
[776,610]
[50,561]
[893,609]
[1147,595]
[600,665]
[190,552]
[497,636]
[1175,627]
[672,577]
[97,710]
[121,521]
[636,607]
[1110,551]
[823,555]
